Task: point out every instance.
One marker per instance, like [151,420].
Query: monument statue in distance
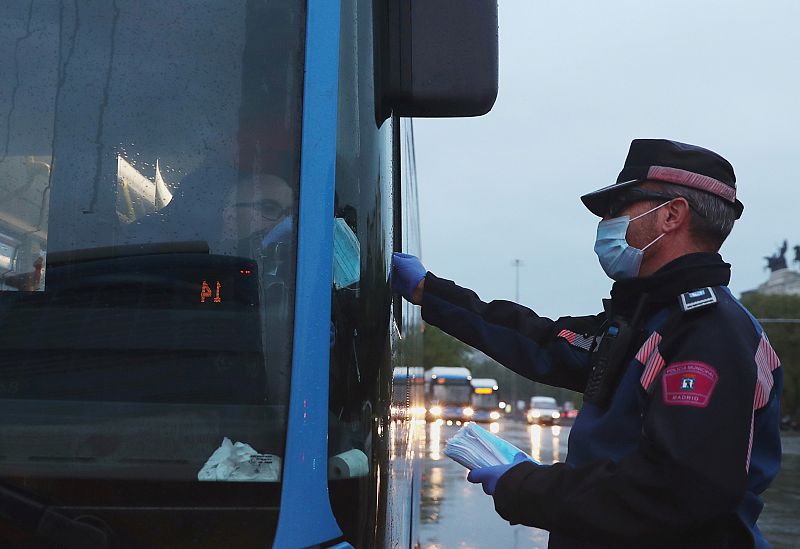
[782,280]
[777,261]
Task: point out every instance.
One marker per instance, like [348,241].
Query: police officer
[679,431]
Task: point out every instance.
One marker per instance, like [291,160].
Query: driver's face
[255,206]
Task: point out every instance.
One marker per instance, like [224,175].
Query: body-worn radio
[608,361]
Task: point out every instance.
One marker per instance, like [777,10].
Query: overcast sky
[578,81]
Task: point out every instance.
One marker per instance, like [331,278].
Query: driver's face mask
[618,258]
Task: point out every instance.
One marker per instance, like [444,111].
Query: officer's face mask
[618,258]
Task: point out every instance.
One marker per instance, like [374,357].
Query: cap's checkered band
[577,340]
[693,180]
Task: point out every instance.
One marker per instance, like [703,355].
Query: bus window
[149,178]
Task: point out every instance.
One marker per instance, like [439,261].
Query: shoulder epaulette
[697,299]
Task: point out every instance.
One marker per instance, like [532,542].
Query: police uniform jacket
[687,441]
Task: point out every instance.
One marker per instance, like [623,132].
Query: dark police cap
[670,162]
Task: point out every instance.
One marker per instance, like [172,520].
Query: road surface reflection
[458,515]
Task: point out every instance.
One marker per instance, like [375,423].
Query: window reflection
[432,494]
[556,443]
[137,194]
[24,181]
[545,443]
[434,444]
[536,442]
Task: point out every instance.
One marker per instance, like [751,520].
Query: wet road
[458,515]
[780,520]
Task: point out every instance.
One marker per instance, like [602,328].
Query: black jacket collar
[686,273]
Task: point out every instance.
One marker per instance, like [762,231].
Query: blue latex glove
[488,476]
[407,272]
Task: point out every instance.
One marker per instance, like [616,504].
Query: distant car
[543,410]
[569,411]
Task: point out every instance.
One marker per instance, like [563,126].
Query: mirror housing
[439,58]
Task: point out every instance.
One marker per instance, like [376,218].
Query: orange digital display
[483,391]
[205,292]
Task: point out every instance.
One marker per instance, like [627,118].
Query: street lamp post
[517,264]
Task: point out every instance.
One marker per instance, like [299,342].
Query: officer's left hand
[488,476]
[408,274]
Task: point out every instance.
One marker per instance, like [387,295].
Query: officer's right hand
[488,476]
[408,277]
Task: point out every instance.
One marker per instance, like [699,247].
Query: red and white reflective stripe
[651,358]
[750,443]
[569,336]
[580,341]
[694,180]
[648,347]
[766,362]
[655,363]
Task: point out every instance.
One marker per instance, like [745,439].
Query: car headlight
[436,410]
[494,415]
[556,415]
[468,412]
[535,413]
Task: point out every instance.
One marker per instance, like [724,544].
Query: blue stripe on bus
[305,516]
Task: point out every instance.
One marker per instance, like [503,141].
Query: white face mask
[618,258]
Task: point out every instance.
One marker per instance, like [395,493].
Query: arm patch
[689,383]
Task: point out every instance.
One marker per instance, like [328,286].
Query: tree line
[784,338]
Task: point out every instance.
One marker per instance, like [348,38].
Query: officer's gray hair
[712,217]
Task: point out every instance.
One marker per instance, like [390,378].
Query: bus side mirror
[441,59]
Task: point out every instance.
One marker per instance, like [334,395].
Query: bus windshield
[149,168]
[485,401]
[455,392]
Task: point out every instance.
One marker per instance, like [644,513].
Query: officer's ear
[676,216]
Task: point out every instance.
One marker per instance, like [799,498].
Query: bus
[448,393]
[408,393]
[199,205]
[485,402]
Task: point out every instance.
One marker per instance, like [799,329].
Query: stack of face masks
[474,447]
